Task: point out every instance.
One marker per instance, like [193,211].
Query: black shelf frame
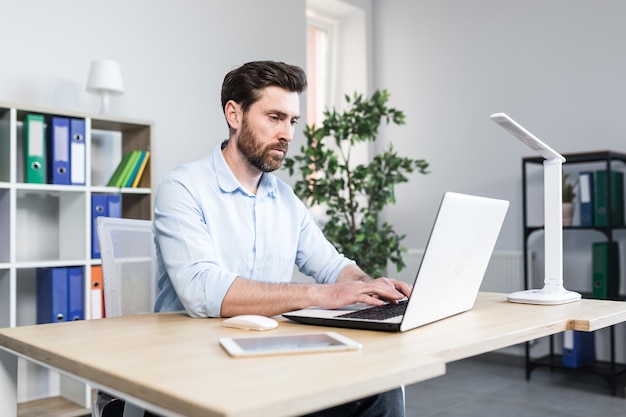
[611,371]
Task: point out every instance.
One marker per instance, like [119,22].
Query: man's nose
[287,131]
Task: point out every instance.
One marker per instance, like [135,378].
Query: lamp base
[544,296]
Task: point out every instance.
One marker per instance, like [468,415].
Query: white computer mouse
[251,322]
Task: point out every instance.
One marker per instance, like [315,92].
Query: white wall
[556,66]
[173,53]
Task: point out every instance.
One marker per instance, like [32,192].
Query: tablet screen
[311,342]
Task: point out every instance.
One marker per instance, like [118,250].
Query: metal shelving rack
[611,371]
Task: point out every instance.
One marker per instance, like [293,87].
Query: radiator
[505,272]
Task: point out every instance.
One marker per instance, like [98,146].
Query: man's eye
[294,122]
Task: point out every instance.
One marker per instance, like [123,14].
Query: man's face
[268,127]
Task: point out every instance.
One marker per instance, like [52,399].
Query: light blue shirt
[209,230]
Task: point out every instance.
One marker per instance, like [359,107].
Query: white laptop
[455,260]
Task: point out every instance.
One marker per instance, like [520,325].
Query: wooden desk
[173,363]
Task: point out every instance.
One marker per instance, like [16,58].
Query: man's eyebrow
[282,114]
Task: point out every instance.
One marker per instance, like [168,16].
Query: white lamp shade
[105,76]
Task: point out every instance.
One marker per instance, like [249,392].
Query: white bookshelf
[46,225]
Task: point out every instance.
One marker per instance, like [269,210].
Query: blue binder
[114,202]
[585,191]
[578,348]
[58,151]
[99,207]
[75,293]
[51,295]
[77,151]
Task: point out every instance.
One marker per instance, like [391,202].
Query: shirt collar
[228,183]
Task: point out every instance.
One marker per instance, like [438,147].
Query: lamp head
[525,136]
[105,79]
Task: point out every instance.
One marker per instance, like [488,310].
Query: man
[228,232]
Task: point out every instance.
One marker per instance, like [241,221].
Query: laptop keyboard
[383,312]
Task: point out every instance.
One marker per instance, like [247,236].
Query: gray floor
[494,385]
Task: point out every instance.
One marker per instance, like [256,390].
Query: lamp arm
[553,205]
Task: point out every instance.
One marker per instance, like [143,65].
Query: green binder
[122,170]
[605,268]
[601,196]
[35,149]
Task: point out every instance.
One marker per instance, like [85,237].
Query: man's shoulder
[187,174]
[184,168]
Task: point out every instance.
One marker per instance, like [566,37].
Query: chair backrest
[129,268]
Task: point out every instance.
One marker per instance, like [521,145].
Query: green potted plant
[568,190]
[354,195]
[568,193]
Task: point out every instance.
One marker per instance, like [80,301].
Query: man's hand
[373,291]
[352,286]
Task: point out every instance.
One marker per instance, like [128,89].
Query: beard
[258,156]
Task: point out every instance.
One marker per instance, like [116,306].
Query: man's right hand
[371,291]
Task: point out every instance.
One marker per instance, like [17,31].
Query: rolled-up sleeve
[190,273]
[317,257]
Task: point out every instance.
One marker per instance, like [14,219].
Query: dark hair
[244,84]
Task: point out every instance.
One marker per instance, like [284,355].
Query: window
[336,54]
[318,66]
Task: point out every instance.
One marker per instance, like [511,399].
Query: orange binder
[96,293]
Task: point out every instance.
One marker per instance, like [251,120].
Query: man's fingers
[384,288]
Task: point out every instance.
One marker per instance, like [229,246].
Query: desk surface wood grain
[175,362]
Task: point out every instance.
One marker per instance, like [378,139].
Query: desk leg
[8,384]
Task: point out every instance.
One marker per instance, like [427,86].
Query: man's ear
[234,115]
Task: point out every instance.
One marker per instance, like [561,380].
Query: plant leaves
[355,195]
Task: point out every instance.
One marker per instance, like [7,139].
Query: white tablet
[284,344]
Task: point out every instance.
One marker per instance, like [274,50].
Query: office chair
[129,274]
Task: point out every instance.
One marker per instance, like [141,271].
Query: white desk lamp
[105,78]
[553,291]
